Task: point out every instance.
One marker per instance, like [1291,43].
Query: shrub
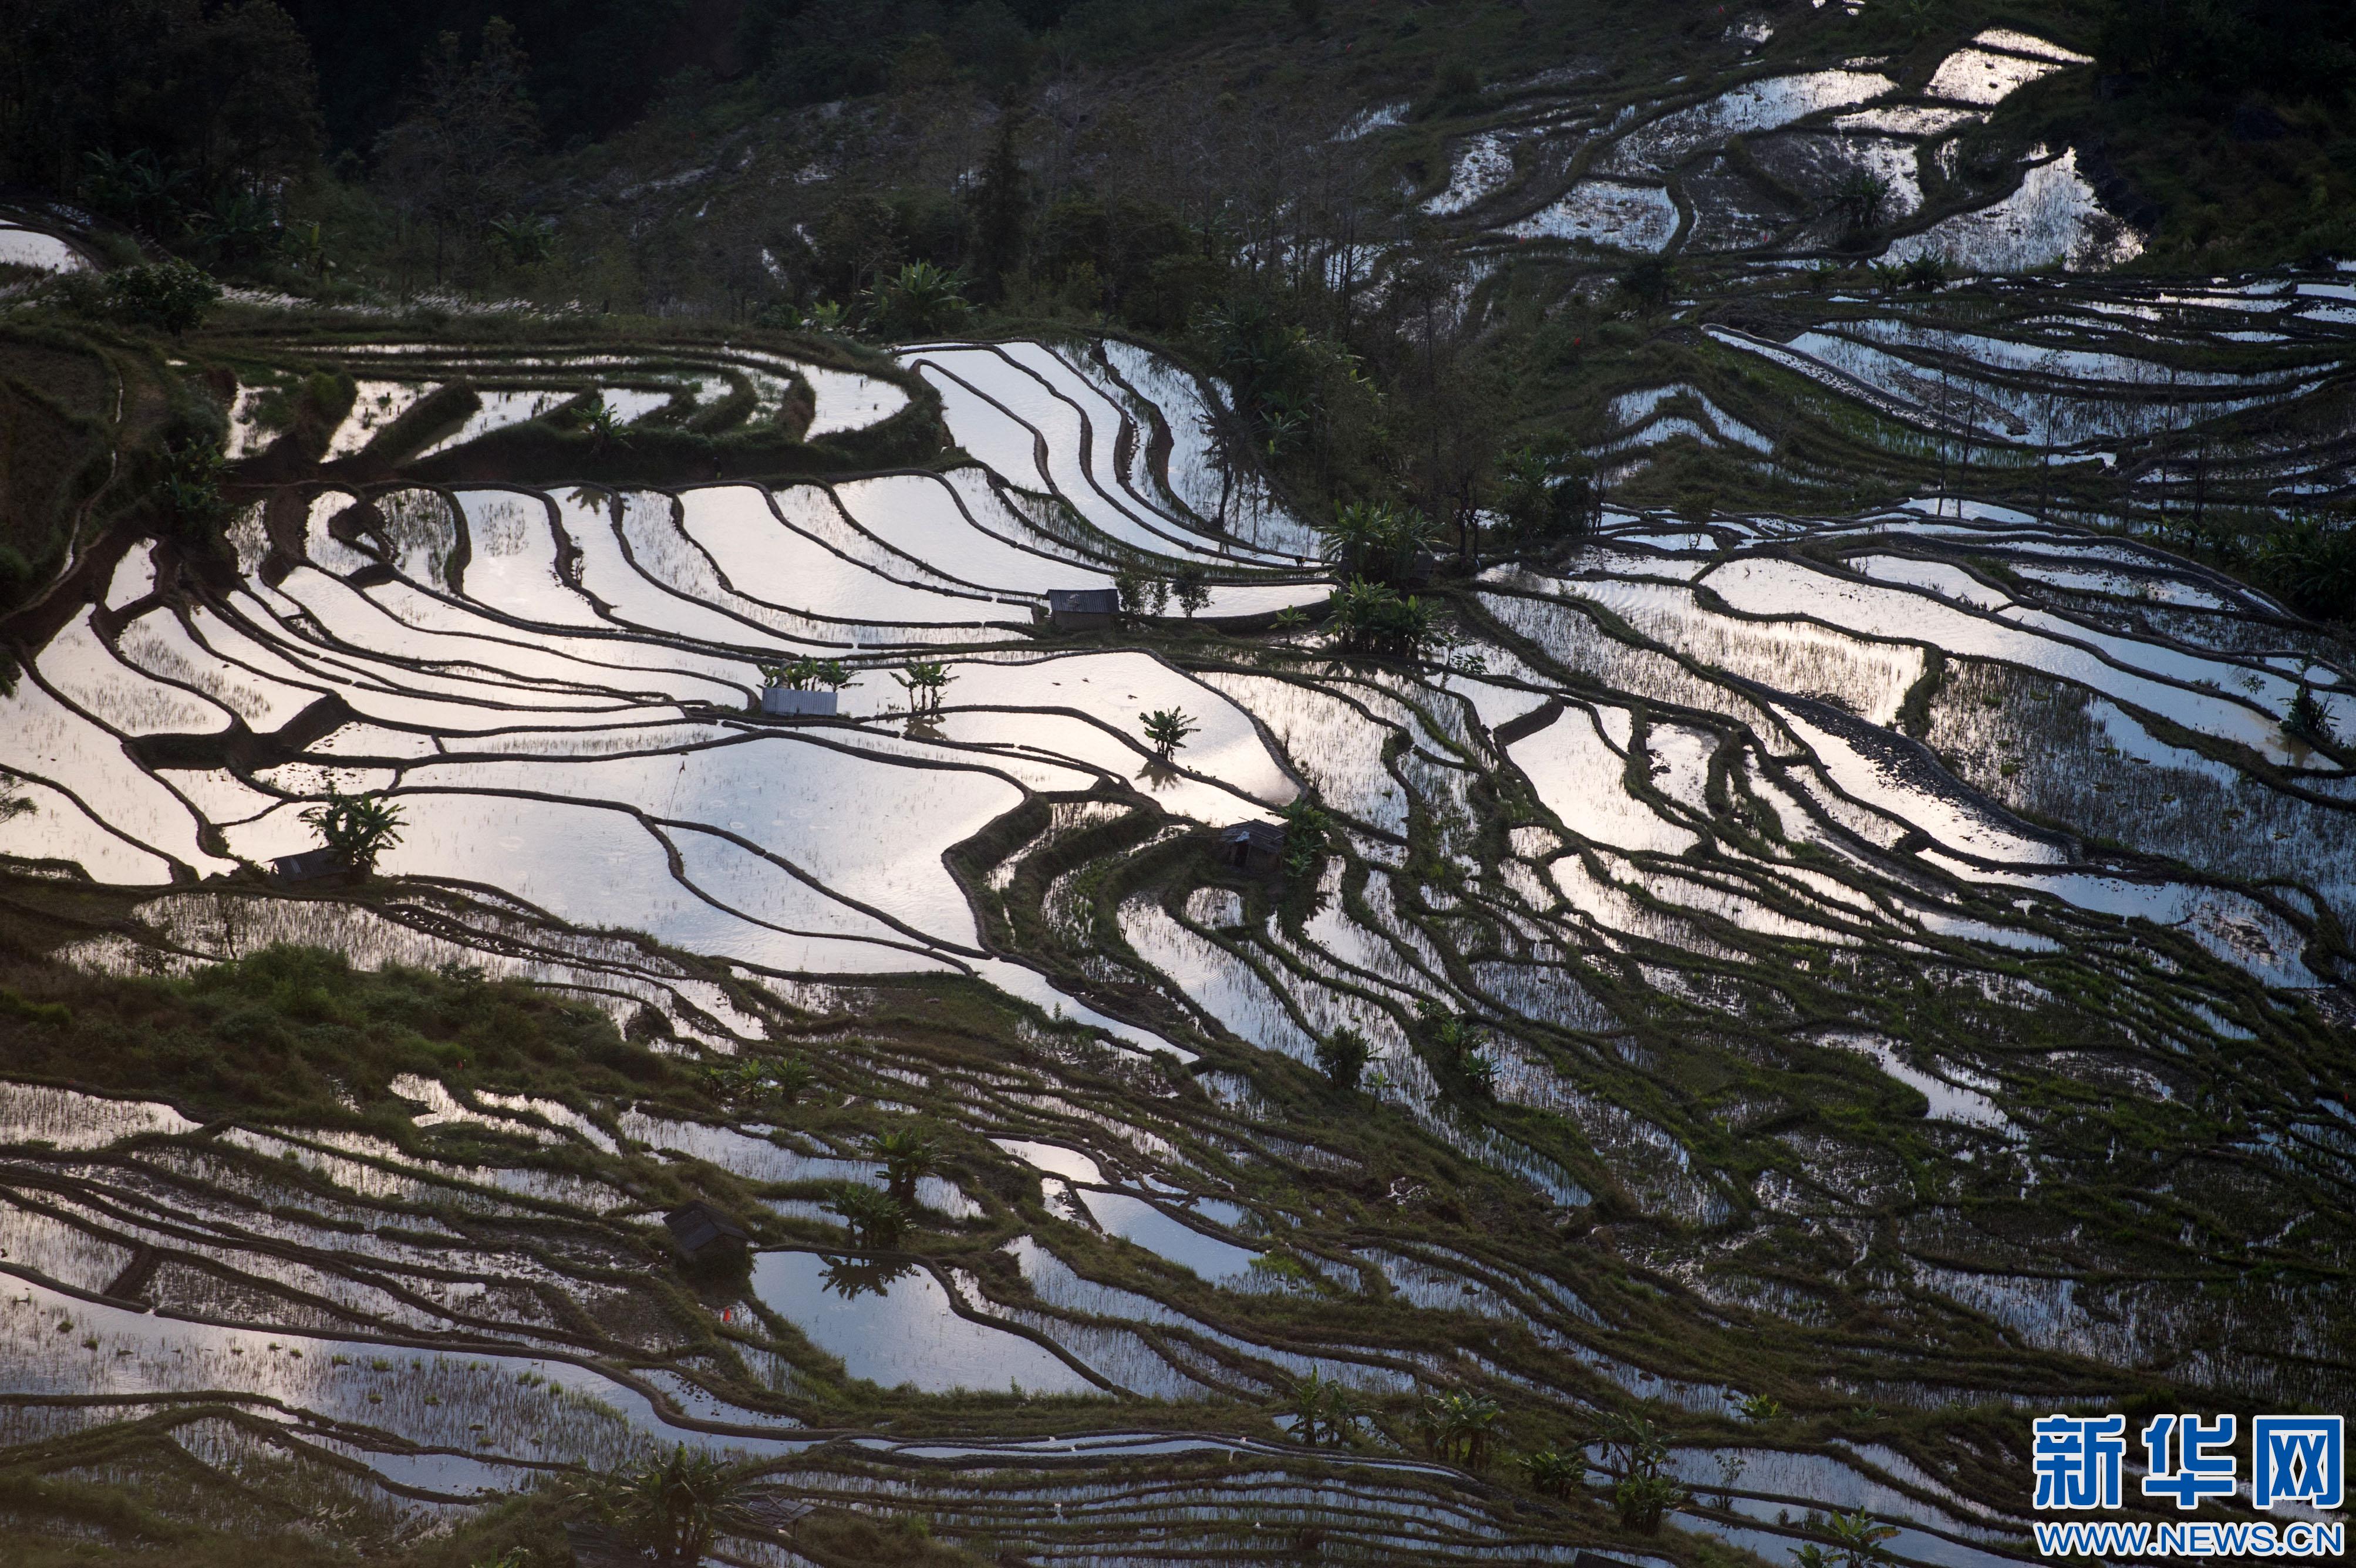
[1544,496]
[1141,593]
[1306,826]
[2310,562]
[1641,1501]
[170,297]
[192,495]
[874,1218]
[55,1013]
[1862,197]
[1457,1040]
[807,675]
[1455,89]
[1342,1056]
[1370,617]
[1925,274]
[1323,1413]
[522,240]
[672,1509]
[1376,540]
[597,420]
[919,298]
[790,1079]
[1642,1495]
[1191,589]
[2308,718]
[1858,1538]
[1652,284]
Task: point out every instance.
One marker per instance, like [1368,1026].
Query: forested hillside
[1268,187]
[2219,112]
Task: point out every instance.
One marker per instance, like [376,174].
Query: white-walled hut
[791,702]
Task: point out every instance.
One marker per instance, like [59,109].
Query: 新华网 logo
[2081,1466]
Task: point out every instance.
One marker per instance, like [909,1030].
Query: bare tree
[2048,366]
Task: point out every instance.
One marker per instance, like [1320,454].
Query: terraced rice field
[1759,169]
[1832,979]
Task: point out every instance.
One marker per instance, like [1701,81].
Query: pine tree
[456,160]
[1001,210]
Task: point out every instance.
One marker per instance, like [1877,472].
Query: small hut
[1254,847]
[773,1512]
[1082,609]
[703,1232]
[786,702]
[309,866]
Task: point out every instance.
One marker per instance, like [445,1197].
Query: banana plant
[1858,1539]
[1462,1426]
[1550,1471]
[673,1509]
[807,675]
[1322,1412]
[1167,728]
[356,827]
[908,1155]
[926,681]
[596,421]
[873,1217]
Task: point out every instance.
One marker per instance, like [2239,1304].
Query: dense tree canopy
[211,99]
[595,63]
[455,160]
[2292,49]
[811,50]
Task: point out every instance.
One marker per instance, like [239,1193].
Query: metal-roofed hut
[1254,847]
[309,866]
[1082,609]
[700,1230]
